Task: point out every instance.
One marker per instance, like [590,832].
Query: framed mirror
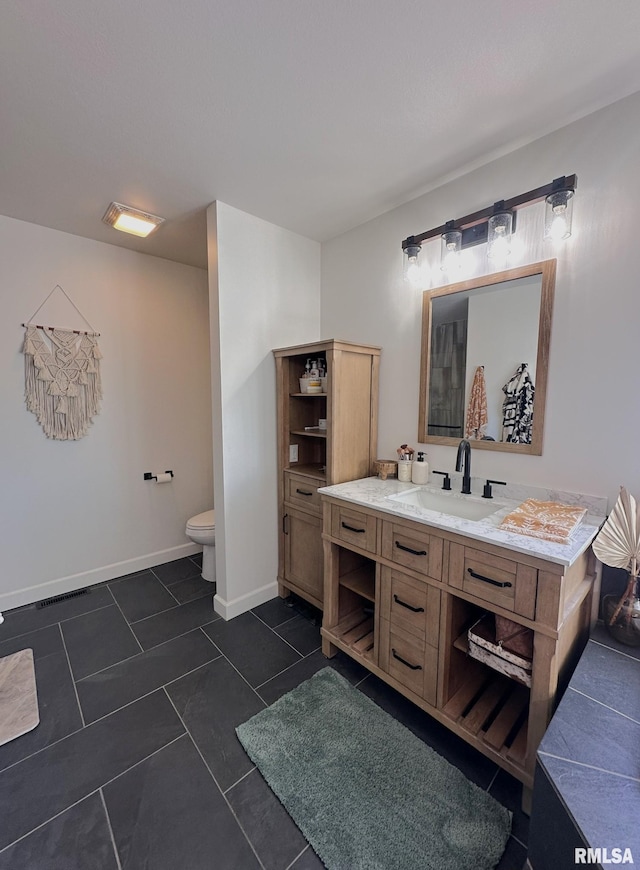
[484,366]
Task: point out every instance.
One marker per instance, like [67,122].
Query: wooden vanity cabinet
[424,589]
[310,457]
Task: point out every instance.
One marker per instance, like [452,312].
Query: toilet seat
[204,522]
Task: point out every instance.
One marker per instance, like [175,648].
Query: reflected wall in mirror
[485,349]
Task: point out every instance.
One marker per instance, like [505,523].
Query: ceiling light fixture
[131,220]
[495,224]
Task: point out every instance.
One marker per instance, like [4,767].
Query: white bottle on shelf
[420,470]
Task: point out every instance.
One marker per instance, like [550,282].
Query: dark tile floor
[135,763]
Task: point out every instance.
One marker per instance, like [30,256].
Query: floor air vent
[57,598]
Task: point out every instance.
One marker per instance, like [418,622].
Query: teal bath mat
[366,792]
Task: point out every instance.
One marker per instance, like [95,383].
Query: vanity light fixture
[450,247]
[131,220]
[558,214]
[499,229]
[491,224]
[412,265]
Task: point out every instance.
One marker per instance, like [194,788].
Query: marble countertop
[374,493]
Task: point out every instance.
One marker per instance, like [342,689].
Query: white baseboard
[31,594]
[237,606]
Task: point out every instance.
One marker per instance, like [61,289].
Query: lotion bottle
[420,470]
[404,470]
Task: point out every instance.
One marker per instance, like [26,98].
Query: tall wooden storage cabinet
[310,457]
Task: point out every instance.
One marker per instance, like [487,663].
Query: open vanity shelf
[400,597]
[310,457]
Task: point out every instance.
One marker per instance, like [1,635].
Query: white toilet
[202,530]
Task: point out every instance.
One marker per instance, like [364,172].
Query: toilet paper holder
[149,475]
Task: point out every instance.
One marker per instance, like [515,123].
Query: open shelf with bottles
[344,449]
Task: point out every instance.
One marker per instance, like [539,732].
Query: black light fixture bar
[474,226]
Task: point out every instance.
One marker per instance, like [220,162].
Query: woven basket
[386,468]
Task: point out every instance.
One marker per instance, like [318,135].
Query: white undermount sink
[466,507]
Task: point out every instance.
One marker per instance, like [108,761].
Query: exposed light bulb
[450,250]
[414,272]
[557,223]
[499,236]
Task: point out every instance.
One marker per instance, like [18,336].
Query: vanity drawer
[409,661]
[354,526]
[302,491]
[496,579]
[412,547]
[410,605]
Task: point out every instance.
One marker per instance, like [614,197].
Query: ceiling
[316,116]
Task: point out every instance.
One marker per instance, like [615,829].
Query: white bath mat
[18,695]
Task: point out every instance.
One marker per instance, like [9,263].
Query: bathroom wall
[264,285]
[593,412]
[74,513]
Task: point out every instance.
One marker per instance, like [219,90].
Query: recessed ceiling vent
[131,220]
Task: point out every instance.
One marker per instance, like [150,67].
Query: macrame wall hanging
[62,376]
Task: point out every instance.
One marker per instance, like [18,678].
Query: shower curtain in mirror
[447,381]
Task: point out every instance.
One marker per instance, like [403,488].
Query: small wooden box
[484,648]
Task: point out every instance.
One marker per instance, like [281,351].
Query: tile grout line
[128,624]
[280,624]
[117,710]
[524,845]
[589,766]
[52,819]
[73,679]
[135,655]
[241,675]
[493,779]
[92,792]
[306,848]
[164,586]
[244,776]
[175,607]
[215,781]
[619,651]
[113,839]
[157,689]
[284,670]
[49,624]
[606,706]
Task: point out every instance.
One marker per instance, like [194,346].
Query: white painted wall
[264,285]
[78,512]
[502,332]
[593,410]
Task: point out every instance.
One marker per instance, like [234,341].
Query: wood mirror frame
[547,271]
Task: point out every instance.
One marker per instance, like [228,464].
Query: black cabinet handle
[284,524]
[408,606]
[489,580]
[352,529]
[303,492]
[404,662]
[409,550]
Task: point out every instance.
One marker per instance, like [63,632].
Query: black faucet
[464,458]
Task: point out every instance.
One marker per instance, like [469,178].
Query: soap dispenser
[420,470]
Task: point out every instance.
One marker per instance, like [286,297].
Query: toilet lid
[206,520]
